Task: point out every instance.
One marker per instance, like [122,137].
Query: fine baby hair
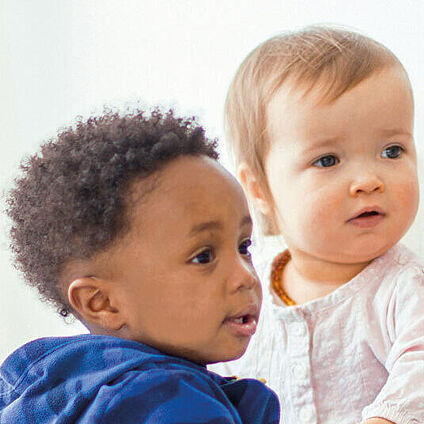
[320,122]
[70,202]
[129,223]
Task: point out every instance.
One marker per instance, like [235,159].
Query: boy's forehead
[189,185]
[190,174]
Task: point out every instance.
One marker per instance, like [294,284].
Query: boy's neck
[306,278]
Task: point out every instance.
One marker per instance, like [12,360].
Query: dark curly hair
[70,201]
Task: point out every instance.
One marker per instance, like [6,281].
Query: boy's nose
[366,183]
[243,276]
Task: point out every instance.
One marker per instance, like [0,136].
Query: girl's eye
[204,257]
[244,247]
[392,152]
[326,161]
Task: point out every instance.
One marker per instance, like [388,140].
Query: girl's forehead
[381,101]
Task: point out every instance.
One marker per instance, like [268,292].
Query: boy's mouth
[245,319]
[244,323]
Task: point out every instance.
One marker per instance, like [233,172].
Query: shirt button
[297,328]
[332,348]
[306,415]
[300,372]
[402,261]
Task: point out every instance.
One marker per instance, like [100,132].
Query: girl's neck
[306,278]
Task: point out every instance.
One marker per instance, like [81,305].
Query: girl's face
[343,175]
[183,275]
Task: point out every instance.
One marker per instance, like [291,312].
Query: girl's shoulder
[399,266]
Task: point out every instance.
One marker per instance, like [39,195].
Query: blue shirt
[102,379]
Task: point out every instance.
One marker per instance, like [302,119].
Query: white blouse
[353,354]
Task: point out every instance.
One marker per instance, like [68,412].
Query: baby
[321,123]
[130,224]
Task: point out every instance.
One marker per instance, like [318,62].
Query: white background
[63,58]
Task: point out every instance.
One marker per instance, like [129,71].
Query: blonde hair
[336,58]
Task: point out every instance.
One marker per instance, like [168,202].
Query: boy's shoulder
[106,379]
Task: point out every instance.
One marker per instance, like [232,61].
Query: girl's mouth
[367,218]
[366,214]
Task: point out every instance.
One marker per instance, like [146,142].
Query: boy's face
[183,273]
[343,175]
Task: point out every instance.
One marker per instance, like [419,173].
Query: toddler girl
[321,123]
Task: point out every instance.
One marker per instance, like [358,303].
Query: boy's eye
[392,152]
[326,161]
[204,257]
[244,247]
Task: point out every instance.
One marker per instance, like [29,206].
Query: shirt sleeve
[162,396]
[401,399]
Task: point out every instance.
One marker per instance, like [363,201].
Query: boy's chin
[205,357]
[228,357]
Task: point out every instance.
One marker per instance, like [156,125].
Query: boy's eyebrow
[216,225]
[246,220]
[205,226]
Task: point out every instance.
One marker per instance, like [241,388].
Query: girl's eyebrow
[322,143]
[216,225]
[326,141]
[388,132]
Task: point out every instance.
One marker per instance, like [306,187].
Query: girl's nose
[366,183]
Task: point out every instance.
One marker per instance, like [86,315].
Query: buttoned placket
[299,366]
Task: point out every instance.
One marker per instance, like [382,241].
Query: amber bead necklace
[276,274]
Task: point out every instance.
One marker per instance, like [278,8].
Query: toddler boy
[130,224]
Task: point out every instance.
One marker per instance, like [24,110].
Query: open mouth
[367,218]
[244,319]
[243,324]
[367,214]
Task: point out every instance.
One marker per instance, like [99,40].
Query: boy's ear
[91,299]
[253,188]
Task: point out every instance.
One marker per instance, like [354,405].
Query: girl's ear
[254,190]
[92,300]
